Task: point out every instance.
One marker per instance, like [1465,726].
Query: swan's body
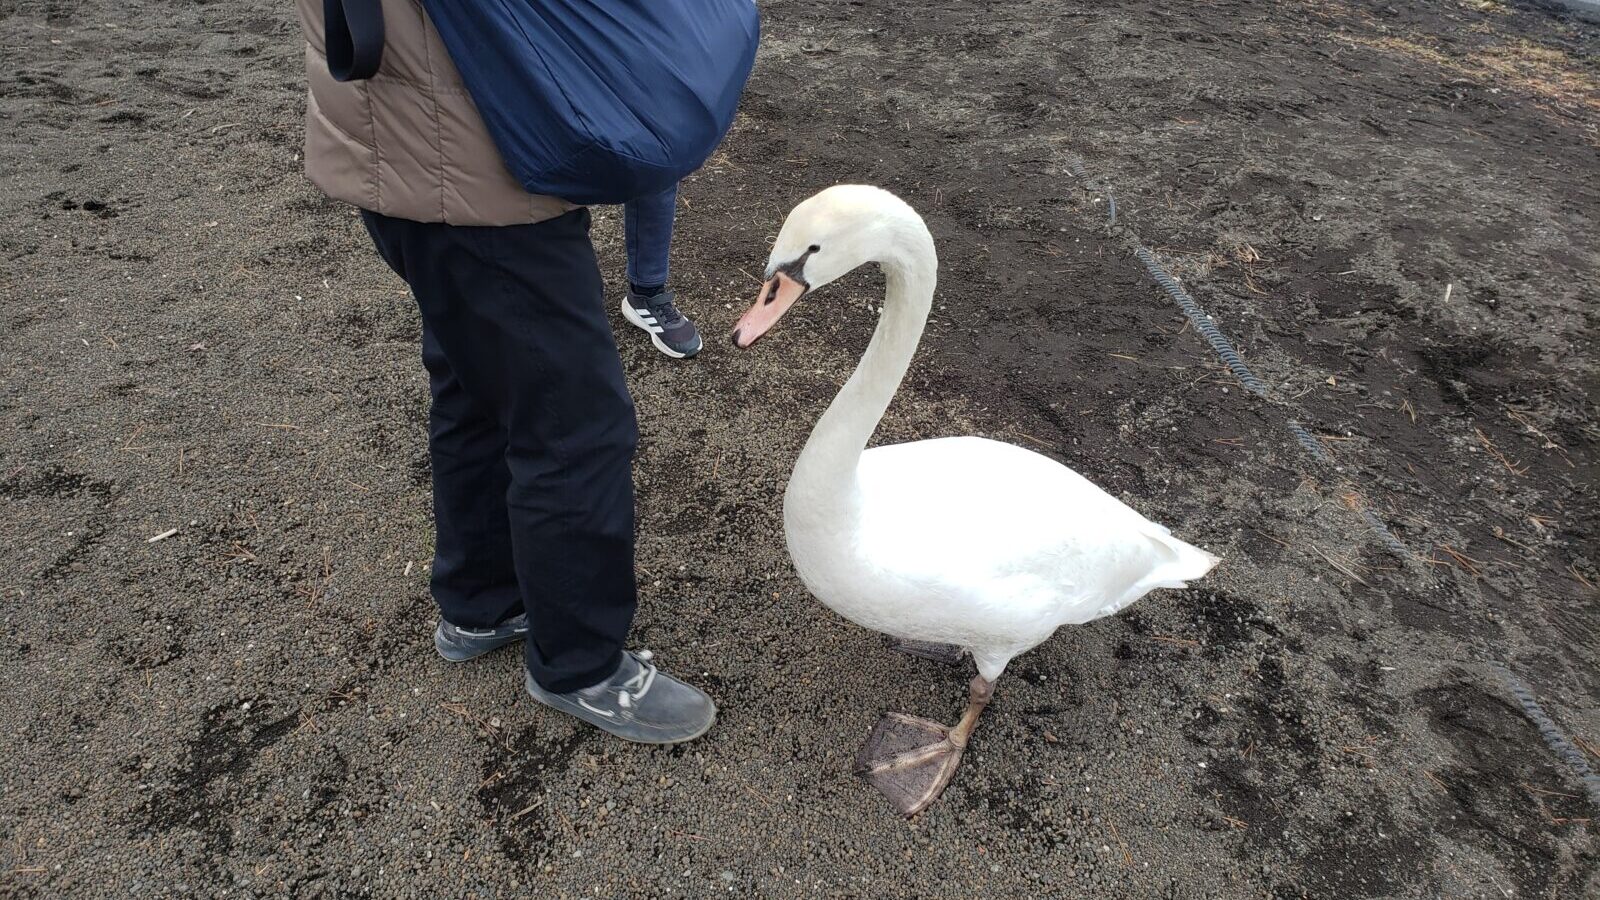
[979,544]
[962,541]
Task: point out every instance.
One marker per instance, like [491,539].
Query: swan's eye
[813,248]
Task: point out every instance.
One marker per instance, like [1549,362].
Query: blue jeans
[647,225]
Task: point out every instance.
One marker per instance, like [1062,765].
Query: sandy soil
[1390,208]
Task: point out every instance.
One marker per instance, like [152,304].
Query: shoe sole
[632,315]
[527,686]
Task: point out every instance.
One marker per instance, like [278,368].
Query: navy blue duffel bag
[602,101]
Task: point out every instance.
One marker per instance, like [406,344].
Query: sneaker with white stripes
[637,703]
[670,330]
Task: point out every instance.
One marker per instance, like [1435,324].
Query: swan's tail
[1174,564]
[1184,563]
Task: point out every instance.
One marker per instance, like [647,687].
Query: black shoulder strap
[354,30]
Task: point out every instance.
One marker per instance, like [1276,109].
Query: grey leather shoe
[637,703]
[461,644]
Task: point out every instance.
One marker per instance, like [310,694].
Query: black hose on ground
[1309,443]
[1201,321]
[1550,731]
[1219,342]
[1384,534]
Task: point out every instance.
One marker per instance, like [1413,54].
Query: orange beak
[776,297]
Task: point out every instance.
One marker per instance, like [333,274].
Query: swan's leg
[945,653]
[911,760]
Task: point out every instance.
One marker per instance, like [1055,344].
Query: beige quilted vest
[408,142]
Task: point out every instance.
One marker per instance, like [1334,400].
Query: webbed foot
[911,760]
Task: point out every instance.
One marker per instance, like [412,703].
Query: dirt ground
[1389,207]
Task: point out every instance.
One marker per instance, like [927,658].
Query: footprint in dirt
[97,208]
[513,788]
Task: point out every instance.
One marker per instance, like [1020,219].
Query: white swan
[956,541]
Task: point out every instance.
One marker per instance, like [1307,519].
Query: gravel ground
[214,519]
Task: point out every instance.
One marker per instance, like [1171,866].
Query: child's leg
[648,227]
[647,224]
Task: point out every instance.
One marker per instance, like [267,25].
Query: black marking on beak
[795,269]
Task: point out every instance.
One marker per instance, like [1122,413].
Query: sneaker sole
[632,315]
[527,686]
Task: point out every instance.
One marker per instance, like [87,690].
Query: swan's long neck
[826,469]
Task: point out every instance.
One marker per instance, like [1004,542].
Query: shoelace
[665,311]
[640,683]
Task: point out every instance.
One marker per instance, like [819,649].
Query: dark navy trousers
[532,435]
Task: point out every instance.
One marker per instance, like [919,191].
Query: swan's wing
[973,512]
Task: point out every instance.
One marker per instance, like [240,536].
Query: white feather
[981,544]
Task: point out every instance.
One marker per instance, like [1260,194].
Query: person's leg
[518,313]
[647,227]
[473,579]
[648,305]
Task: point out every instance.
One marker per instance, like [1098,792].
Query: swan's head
[825,237]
